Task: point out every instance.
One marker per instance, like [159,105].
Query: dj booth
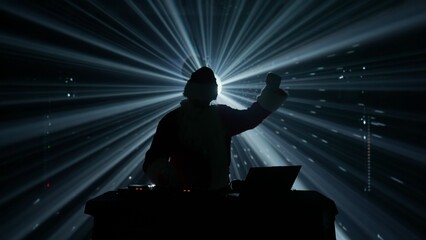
[140,212]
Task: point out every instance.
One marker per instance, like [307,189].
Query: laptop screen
[269,180]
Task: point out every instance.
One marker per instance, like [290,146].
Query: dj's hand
[272,96]
[273,80]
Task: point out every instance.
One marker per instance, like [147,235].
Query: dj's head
[201,86]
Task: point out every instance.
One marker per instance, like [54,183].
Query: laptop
[270,181]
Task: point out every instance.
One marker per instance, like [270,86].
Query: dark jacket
[196,140]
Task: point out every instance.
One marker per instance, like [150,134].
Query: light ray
[85,84]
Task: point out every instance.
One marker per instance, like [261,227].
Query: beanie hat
[202,85]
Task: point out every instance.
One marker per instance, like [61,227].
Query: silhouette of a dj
[191,148]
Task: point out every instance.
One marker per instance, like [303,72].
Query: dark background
[84,83]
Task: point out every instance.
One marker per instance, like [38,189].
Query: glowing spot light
[219,85]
